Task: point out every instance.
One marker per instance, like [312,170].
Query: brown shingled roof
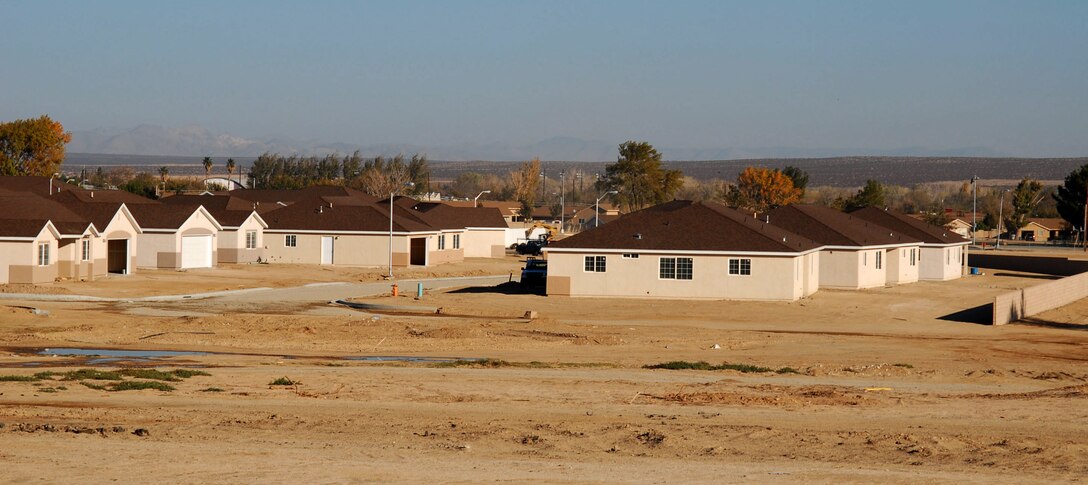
[315,215]
[683,225]
[161,216]
[902,223]
[21,227]
[831,227]
[444,216]
[217,205]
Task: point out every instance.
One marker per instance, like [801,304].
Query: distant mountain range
[197,141]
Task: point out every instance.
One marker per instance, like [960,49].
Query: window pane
[746,266]
[600,264]
[683,268]
[588,263]
[667,268]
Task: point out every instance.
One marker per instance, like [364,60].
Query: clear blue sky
[1008,76]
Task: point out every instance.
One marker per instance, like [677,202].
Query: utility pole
[562,201]
[974,208]
[1000,219]
[543,183]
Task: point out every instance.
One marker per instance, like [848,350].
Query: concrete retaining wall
[1015,305]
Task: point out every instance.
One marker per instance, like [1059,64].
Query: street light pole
[597,216]
[1000,218]
[562,202]
[392,194]
[474,204]
[974,208]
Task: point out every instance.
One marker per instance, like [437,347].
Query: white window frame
[676,275]
[456,241]
[85,250]
[741,263]
[441,242]
[251,244]
[630,255]
[594,264]
[43,254]
[290,240]
[879,258]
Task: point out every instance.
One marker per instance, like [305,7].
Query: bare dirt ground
[886,385]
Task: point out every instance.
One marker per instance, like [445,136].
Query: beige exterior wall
[484,243]
[70,263]
[852,269]
[120,227]
[900,270]
[231,244]
[22,260]
[772,278]
[448,255]
[1033,300]
[163,249]
[348,249]
[941,263]
[811,273]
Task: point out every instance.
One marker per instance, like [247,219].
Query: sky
[1009,77]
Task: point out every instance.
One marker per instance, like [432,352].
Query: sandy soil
[891,385]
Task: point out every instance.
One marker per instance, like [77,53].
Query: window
[43,254]
[456,241]
[594,264]
[947,256]
[913,259]
[864,258]
[675,268]
[251,239]
[741,267]
[86,250]
[581,220]
[879,259]
[441,241]
[290,240]
[630,255]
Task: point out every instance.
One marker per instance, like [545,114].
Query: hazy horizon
[479,80]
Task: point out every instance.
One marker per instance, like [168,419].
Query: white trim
[681,252]
[350,233]
[870,248]
[947,245]
[487,228]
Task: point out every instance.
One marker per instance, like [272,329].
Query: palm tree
[163,172]
[207,169]
[230,171]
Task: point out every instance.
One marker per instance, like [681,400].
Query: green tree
[1070,197]
[32,146]
[207,167]
[231,166]
[1025,197]
[419,173]
[638,178]
[799,177]
[871,195]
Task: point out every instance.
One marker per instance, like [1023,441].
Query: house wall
[484,243]
[852,269]
[1040,233]
[448,255]
[158,250]
[232,243]
[941,263]
[120,227]
[22,260]
[348,249]
[772,278]
[900,270]
[811,273]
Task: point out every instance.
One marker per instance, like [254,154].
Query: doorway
[418,249]
[117,258]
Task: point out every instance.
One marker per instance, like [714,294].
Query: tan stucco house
[855,253]
[685,249]
[176,236]
[241,239]
[942,251]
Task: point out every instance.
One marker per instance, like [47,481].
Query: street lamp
[392,194]
[1000,218]
[562,202]
[478,197]
[597,217]
[974,207]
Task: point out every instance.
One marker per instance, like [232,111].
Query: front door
[419,252]
[326,249]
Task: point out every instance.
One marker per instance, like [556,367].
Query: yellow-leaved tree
[32,146]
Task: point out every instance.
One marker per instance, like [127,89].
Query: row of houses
[685,249]
[50,231]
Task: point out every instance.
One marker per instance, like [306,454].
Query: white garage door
[196,252]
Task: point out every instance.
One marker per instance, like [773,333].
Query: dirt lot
[889,385]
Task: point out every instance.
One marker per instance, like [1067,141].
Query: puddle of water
[114,355]
[106,356]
